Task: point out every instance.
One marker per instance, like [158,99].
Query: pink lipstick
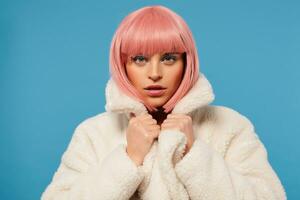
[155,90]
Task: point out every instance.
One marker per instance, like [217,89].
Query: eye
[169,58]
[139,59]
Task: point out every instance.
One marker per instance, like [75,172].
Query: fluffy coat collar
[199,95]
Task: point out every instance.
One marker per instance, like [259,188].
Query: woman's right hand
[141,132]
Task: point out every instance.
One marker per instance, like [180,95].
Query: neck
[159,115]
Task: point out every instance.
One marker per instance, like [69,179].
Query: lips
[155,90]
[154,87]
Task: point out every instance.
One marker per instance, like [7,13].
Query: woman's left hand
[184,124]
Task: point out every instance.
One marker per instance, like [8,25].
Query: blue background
[54,68]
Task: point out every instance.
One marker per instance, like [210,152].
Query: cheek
[175,75]
[179,75]
[134,74]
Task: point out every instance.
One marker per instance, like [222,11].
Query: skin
[165,69]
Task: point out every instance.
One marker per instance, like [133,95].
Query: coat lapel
[160,180]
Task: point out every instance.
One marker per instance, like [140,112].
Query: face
[156,78]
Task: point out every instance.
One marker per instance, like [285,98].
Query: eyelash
[168,56]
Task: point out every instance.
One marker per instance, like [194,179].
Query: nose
[155,72]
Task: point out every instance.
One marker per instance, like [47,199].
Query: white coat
[226,162]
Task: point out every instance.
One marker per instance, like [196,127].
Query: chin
[157,103]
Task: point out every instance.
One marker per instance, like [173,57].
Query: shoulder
[225,118]
[221,125]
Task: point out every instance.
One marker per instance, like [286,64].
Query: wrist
[134,158]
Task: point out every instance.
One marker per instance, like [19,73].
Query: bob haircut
[150,30]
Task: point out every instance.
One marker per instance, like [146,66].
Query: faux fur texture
[199,95]
[226,162]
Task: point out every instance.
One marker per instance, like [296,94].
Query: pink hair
[146,31]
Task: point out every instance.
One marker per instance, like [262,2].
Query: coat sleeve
[83,174]
[243,173]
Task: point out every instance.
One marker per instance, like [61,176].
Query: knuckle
[134,125]
[157,132]
[149,137]
[132,121]
[148,115]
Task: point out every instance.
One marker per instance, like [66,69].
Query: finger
[169,124]
[152,128]
[141,118]
[154,133]
[150,121]
[173,120]
[180,117]
[177,115]
[145,116]
[150,134]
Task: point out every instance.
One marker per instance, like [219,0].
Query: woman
[159,137]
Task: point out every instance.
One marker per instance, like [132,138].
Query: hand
[140,134]
[184,124]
